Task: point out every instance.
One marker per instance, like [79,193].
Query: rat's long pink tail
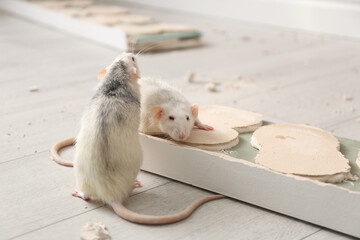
[158,220]
[57,147]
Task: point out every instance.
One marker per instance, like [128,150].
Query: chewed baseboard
[337,17]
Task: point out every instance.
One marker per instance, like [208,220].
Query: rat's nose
[182,136]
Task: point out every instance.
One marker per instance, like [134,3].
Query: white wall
[340,17]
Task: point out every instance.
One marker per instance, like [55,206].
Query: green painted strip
[180,35]
[348,147]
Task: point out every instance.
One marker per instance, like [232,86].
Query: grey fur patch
[115,96]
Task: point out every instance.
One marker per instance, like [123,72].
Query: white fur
[158,93]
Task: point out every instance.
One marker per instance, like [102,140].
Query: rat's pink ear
[101,73]
[135,73]
[156,113]
[195,110]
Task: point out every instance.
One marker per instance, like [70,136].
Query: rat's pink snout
[182,136]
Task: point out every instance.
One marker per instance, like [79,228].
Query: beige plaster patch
[301,150]
[219,135]
[227,123]
[240,120]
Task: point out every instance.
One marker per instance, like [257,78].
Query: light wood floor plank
[221,219]
[297,77]
[36,192]
[328,235]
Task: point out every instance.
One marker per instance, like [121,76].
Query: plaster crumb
[214,82]
[237,77]
[266,52]
[351,183]
[245,38]
[95,231]
[230,152]
[9,134]
[347,97]
[274,88]
[327,104]
[18,147]
[248,80]
[24,135]
[211,87]
[33,89]
[353,109]
[338,111]
[29,123]
[233,84]
[190,77]
[35,151]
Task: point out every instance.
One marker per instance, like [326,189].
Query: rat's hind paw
[81,195]
[137,184]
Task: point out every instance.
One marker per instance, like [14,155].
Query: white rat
[165,110]
[108,154]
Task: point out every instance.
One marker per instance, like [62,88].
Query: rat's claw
[81,195]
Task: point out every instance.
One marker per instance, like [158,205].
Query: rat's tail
[57,147]
[159,220]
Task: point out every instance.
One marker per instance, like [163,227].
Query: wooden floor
[291,77]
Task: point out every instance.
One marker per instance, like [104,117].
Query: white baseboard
[338,17]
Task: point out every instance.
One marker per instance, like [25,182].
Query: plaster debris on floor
[211,87]
[95,231]
[347,97]
[33,89]
[190,77]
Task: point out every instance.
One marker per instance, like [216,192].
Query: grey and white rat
[165,110]
[108,154]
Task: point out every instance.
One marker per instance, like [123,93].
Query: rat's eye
[133,59]
[187,118]
[171,118]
